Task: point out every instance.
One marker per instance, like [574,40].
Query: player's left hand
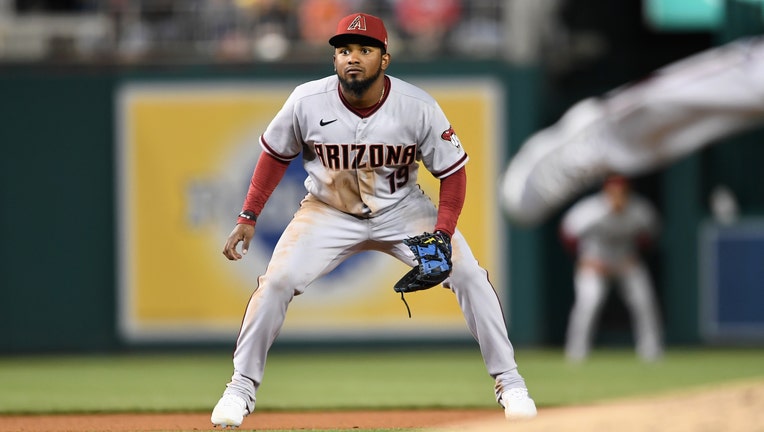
[241,233]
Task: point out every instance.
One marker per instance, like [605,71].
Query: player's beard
[358,86]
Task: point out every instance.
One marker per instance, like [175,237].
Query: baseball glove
[433,254]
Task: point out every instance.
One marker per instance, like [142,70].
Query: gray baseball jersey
[604,235]
[362,166]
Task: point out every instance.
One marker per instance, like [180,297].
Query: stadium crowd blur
[127,31]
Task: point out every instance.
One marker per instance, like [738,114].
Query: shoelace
[408,309]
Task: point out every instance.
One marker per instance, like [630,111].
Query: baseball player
[636,128]
[606,231]
[362,136]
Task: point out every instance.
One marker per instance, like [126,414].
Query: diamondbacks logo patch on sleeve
[450,135]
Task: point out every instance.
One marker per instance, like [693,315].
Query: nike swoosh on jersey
[323,123]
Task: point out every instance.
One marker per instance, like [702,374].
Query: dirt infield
[260,421]
[730,408]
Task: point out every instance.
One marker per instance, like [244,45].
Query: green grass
[343,380]
[618,374]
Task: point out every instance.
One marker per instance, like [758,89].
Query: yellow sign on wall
[186,154]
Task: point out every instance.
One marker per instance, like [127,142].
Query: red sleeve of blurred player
[644,241]
[569,241]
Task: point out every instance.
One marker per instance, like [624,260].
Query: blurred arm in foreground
[637,128]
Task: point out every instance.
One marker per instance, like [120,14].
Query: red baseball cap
[360,24]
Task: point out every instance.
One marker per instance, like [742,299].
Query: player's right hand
[241,233]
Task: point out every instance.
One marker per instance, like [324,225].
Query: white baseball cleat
[229,411]
[517,404]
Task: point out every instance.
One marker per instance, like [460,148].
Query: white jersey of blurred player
[637,128]
[607,230]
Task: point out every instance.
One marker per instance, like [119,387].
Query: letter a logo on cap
[359,23]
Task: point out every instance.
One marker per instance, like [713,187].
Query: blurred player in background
[637,128]
[607,232]
[361,136]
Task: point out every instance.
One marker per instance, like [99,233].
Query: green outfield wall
[58,224]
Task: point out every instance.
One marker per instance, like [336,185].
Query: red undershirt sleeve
[267,175]
[452,192]
[569,241]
